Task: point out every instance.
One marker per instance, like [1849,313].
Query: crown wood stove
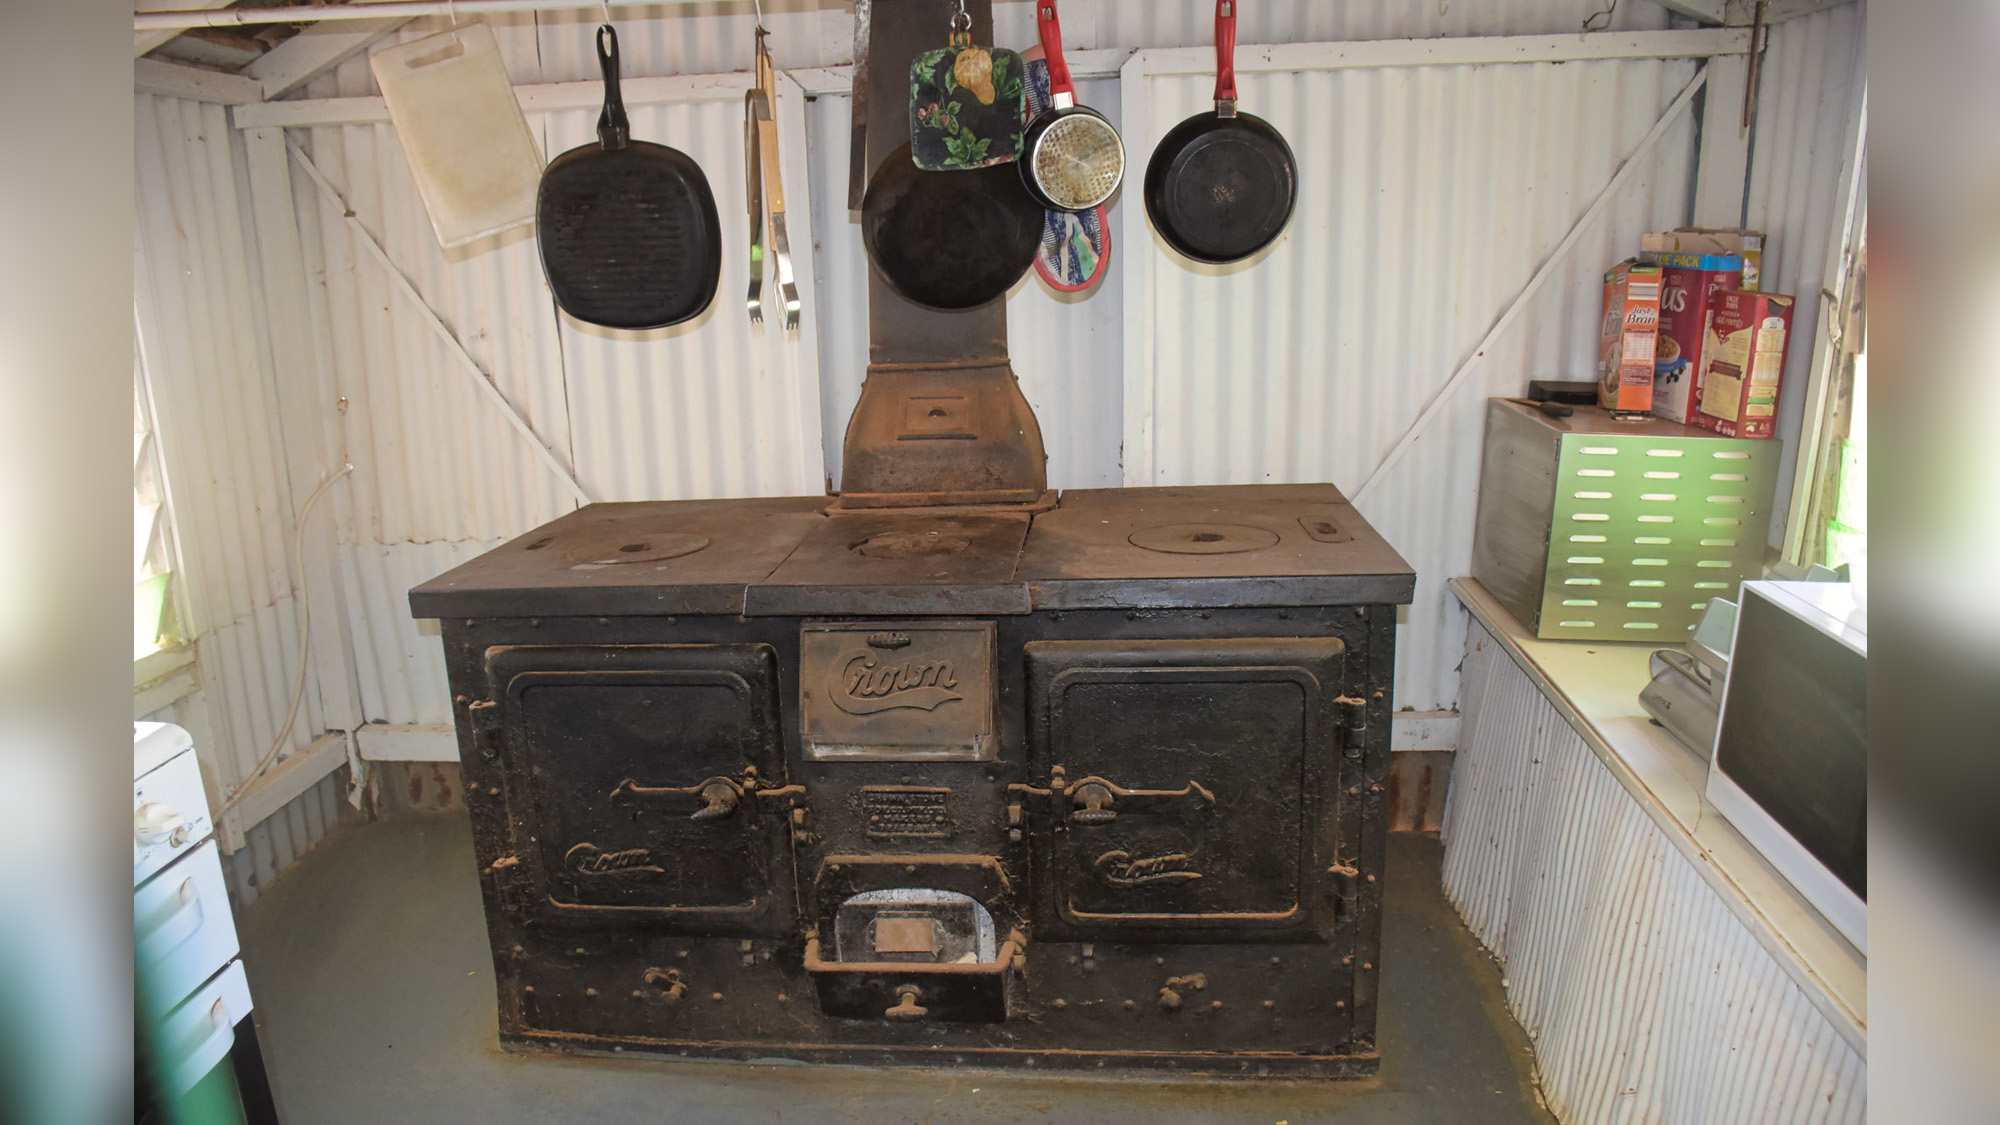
[947,769]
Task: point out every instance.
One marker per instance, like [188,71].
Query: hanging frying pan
[1221,185]
[628,229]
[950,240]
[1071,157]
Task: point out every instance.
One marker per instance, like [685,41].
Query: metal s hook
[761,29]
[961,20]
[607,12]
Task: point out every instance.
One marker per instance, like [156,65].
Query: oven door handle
[707,801]
[1098,800]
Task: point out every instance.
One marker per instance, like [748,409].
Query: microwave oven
[1790,768]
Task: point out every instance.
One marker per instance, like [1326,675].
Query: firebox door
[1184,788]
[647,784]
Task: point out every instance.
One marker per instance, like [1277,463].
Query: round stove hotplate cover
[1203,538]
[636,547]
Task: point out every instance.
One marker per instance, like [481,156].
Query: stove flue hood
[941,419]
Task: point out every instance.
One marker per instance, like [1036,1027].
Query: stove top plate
[1300,544]
[883,561]
[696,556]
[1202,538]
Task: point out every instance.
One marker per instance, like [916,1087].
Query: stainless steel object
[774,184]
[1591,528]
[1713,637]
[1682,696]
[754,188]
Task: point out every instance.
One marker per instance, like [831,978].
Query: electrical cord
[305,638]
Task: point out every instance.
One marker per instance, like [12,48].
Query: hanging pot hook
[761,29]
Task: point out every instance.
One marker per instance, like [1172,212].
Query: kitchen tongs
[766,191]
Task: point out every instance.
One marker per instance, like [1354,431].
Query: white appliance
[1790,769]
[190,986]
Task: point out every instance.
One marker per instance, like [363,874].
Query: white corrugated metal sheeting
[1807,97]
[1447,186]
[716,38]
[709,409]
[1647,1000]
[199,295]
[1440,192]
[275,844]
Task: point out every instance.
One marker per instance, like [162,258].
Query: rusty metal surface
[1418,781]
[777,556]
[889,562]
[1141,546]
[897,691]
[958,427]
[559,568]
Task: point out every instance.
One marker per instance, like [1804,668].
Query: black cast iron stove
[946,769]
[1098,786]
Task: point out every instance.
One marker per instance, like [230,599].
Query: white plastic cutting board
[477,166]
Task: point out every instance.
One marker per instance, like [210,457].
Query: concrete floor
[374,992]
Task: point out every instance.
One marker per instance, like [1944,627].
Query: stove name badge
[863,684]
[897,691]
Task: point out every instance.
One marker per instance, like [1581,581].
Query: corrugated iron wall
[1438,192]
[1441,188]
[215,410]
[1813,69]
[1646,999]
[712,408]
[633,432]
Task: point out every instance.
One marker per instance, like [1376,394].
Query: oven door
[1185,789]
[646,785]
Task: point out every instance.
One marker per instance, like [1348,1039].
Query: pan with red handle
[1221,184]
[1071,157]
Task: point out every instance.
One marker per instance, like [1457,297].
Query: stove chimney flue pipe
[941,419]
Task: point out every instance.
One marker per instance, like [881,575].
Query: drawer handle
[907,1007]
[178,927]
[222,1034]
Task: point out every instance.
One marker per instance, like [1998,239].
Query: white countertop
[1595,686]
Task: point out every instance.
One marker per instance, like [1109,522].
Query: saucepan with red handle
[1071,156]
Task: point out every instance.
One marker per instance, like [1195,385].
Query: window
[163,668]
[1834,529]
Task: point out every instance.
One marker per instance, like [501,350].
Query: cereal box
[1743,363]
[1687,282]
[1745,244]
[1631,323]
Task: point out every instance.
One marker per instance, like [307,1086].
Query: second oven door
[1189,787]
[645,781]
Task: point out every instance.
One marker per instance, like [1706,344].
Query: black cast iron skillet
[950,240]
[628,229]
[1221,185]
